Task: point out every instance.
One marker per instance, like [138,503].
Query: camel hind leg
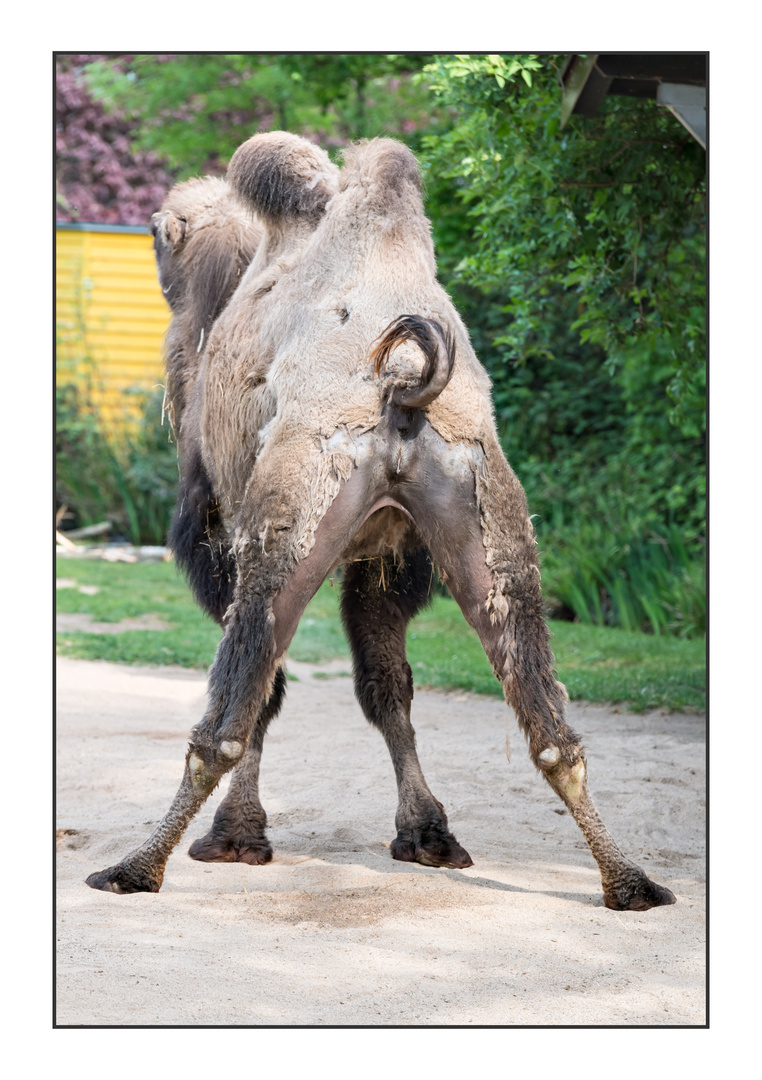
[203,551]
[271,593]
[379,597]
[478,531]
[241,681]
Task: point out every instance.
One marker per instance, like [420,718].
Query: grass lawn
[595,663]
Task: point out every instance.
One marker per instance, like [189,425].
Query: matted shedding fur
[302,323]
[383,167]
[204,239]
[292,359]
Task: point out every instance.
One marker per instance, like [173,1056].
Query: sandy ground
[334,932]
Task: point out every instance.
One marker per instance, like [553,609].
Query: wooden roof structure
[677,81]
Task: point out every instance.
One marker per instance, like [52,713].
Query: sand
[333,932]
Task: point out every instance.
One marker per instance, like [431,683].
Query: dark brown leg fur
[199,541]
[378,599]
[241,678]
[238,831]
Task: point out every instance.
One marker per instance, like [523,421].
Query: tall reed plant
[650,583]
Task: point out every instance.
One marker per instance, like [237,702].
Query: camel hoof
[640,896]
[431,850]
[251,850]
[122,879]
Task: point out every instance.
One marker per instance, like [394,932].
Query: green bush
[577,258]
[129,480]
[638,583]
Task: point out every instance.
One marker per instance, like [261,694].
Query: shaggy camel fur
[204,240]
[342,418]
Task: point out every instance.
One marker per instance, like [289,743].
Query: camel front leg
[238,830]
[479,533]
[379,597]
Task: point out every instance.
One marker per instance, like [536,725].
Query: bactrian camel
[331,412]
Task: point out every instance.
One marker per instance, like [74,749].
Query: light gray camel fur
[341,418]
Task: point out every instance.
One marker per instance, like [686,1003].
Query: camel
[337,416]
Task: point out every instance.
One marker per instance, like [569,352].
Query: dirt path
[333,932]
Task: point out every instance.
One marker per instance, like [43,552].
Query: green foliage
[577,259]
[612,209]
[130,481]
[194,110]
[622,579]
[363,95]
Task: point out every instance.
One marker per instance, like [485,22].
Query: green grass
[596,663]
[126,591]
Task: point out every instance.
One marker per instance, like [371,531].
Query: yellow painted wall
[110,308]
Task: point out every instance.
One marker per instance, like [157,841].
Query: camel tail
[435,342]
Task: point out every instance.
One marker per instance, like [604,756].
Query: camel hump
[283,176]
[381,164]
[437,344]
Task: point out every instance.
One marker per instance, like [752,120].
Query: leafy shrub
[577,258]
[99,175]
[129,479]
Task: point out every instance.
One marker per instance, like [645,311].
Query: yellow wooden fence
[111,316]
